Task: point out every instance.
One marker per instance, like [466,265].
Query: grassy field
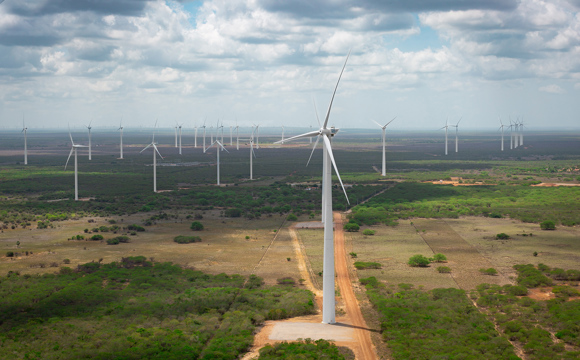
[224,247]
[469,244]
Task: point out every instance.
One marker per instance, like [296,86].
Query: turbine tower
[456,126]
[155,152]
[24,129]
[195,138]
[231,136]
[252,155]
[522,132]
[282,142]
[501,128]
[179,125]
[121,134]
[218,146]
[74,148]
[203,136]
[89,127]
[384,173]
[176,133]
[222,134]
[446,127]
[328,300]
[515,135]
[237,136]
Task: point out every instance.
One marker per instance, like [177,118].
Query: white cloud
[552,89]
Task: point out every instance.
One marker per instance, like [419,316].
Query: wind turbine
[203,136]
[211,135]
[231,136]
[522,132]
[384,173]
[155,150]
[218,146]
[282,142]
[176,133]
[252,155]
[74,148]
[456,126]
[222,134]
[311,130]
[24,129]
[328,304]
[195,141]
[501,128]
[257,136]
[446,127]
[121,134]
[515,134]
[237,136]
[179,125]
[89,127]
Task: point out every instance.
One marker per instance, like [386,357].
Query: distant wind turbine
[218,146]
[89,127]
[328,305]
[384,127]
[501,128]
[237,136]
[24,129]
[456,126]
[203,136]
[155,152]
[522,132]
[282,142]
[121,134]
[74,148]
[195,141]
[446,127]
[176,133]
[252,155]
[231,136]
[180,125]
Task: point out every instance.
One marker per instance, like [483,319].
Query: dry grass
[223,247]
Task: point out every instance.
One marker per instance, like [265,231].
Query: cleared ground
[224,247]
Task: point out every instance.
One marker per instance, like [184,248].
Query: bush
[286,281]
[113,241]
[66,261]
[181,239]
[444,269]
[97,237]
[134,227]
[439,258]
[489,271]
[292,217]
[368,232]
[502,236]
[352,254]
[233,213]
[10,254]
[548,225]
[351,227]
[196,226]
[361,265]
[419,261]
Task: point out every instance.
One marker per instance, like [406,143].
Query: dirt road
[362,331]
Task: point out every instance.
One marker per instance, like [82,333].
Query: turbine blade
[69,155]
[308,134]
[334,93]
[391,121]
[329,150]
[146,147]
[313,148]
[381,126]
[220,144]
[155,147]
[316,112]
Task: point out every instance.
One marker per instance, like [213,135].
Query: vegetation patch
[419,261]
[196,226]
[307,349]
[136,309]
[364,265]
[182,239]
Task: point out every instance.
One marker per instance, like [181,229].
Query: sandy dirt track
[362,332]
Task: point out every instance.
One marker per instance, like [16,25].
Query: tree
[419,261]
[292,217]
[351,227]
[196,226]
[548,225]
[368,232]
[444,269]
[502,236]
[439,258]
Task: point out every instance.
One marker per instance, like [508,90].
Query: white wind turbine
[446,127]
[231,136]
[222,134]
[384,127]
[501,128]
[311,130]
[237,136]
[328,304]
[180,126]
[522,132]
[204,137]
[195,138]
[211,135]
[456,126]
[218,146]
[282,142]
[74,148]
[155,152]
[515,134]
[176,133]
[252,155]
[89,127]
[24,129]
[120,129]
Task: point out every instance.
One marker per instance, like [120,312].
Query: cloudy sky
[265,61]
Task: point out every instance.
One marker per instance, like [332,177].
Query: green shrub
[488,271]
[352,254]
[66,261]
[113,241]
[135,227]
[233,213]
[548,225]
[10,254]
[292,217]
[443,269]
[502,236]
[368,232]
[419,261]
[439,258]
[362,265]
[531,277]
[119,239]
[196,226]
[97,237]
[286,281]
[351,227]
[370,281]
[182,239]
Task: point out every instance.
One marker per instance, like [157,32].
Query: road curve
[362,331]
